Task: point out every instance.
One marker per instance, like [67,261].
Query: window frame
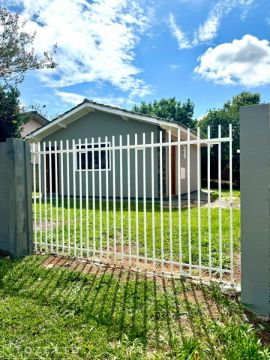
[77,151]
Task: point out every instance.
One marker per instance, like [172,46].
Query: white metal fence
[136,201]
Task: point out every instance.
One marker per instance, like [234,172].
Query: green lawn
[225,195]
[82,230]
[100,313]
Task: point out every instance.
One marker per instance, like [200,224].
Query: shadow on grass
[169,314]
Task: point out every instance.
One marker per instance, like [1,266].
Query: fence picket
[114,198]
[40,198]
[93,196]
[188,194]
[199,201]
[74,198]
[80,195]
[107,195]
[56,195]
[100,199]
[209,201]
[35,195]
[161,200]
[45,196]
[220,206]
[153,202]
[170,201]
[144,203]
[231,204]
[121,197]
[68,197]
[51,201]
[87,195]
[136,203]
[62,196]
[128,196]
[179,199]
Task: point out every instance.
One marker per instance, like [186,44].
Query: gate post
[16,226]
[255,207]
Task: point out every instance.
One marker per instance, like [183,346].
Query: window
[93,156]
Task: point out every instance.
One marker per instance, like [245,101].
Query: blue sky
[124,51]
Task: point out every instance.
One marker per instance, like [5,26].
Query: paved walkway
[225,201]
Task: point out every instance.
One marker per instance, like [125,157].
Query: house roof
[34,115]
[88,106]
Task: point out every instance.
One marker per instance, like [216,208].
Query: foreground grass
[56,313]
[103,232]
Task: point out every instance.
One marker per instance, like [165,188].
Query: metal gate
[143,204]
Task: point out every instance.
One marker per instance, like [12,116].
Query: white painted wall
[29,127]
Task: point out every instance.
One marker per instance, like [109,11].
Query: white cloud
[174,67]
[242,62]
[96,40]
[119,101]
[208,30]
[70,98]
[247,5]
[75,99]
[192,2]
[178,34]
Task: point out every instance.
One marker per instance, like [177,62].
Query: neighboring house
[93,121]
[35,121]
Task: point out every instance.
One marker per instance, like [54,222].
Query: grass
[64,231]
[225,195]
[54,312]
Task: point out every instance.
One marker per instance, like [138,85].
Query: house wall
[29,127]
[183,172]
[183,168]
[100,124]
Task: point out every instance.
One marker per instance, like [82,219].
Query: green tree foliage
[228,114]
[17,54]
[11,118]
[169,109]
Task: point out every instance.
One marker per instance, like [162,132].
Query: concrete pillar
[255,207]
[16,226]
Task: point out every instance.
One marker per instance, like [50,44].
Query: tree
[169,109]
[228,114]
[17,54]
[11,118]
[39,108]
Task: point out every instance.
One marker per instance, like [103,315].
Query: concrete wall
[4,196]
[99,124]
[255,207]
[16,198]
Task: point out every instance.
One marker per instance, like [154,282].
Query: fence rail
[136,201]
